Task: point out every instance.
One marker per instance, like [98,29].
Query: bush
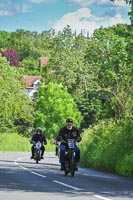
[125,166]
[106,145]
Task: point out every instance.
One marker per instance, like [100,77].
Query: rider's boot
[62,166]
[42,157]
[32,157]
[76,166]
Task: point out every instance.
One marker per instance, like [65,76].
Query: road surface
[23,179]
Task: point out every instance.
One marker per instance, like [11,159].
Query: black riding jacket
[65,133]
[39,137]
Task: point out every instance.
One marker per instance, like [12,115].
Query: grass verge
[13,142]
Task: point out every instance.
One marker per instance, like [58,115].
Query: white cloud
[84,3]
[41,1]
[117,19]
[83,19]
[120,2]
[4,13]
[10,9]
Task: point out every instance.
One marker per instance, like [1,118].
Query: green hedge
[108,147]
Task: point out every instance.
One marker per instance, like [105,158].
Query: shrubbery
[125,165]
[108,147]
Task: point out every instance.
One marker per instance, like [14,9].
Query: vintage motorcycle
[37,151]
[57,149]
[70,158]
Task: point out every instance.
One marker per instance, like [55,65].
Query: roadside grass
[13,142]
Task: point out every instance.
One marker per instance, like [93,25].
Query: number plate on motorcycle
[71,144]
[38,145]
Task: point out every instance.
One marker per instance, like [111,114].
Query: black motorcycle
[70,158]
[57,147]
[37,151]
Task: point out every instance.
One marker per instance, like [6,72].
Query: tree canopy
[53,106]
[16,108]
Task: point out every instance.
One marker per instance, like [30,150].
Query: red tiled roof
[43,61]
[29,80]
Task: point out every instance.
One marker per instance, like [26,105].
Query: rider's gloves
[32,141]
[78,139]
[55,142]
[45,143]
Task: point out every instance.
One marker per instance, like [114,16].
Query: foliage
[30,66]
[14,142]
[12,56]
[16,108]
[66,64]
[28,43]
[88,76]
[110,73]
[107,144]
[123,168]
[53,106]
[4,39]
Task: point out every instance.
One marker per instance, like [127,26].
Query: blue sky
[40,15]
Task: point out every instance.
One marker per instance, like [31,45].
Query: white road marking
[75,188]
[23,167]
[38,174]
[100,197]
[27,168]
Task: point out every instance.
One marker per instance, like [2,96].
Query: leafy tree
[110,75]
[31,44]
[30,66]
[12,56]
[4,40]
[53,106]
[16,108]
[66,64]
[108,146]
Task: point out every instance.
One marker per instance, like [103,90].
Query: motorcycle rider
[38,136]
[68,132]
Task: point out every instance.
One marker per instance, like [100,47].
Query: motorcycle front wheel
[66,170]
[72,165]
[37,156]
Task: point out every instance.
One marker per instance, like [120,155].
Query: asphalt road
[23,179]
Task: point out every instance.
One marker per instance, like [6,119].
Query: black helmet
[69,120]
[38,129]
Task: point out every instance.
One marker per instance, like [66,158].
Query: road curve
[23,179]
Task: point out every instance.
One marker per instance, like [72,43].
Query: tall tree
[12,57]
[66,64]
[110,71]
[4,40]
[53,106]
[16,108]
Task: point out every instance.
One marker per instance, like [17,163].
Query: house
[32,83]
